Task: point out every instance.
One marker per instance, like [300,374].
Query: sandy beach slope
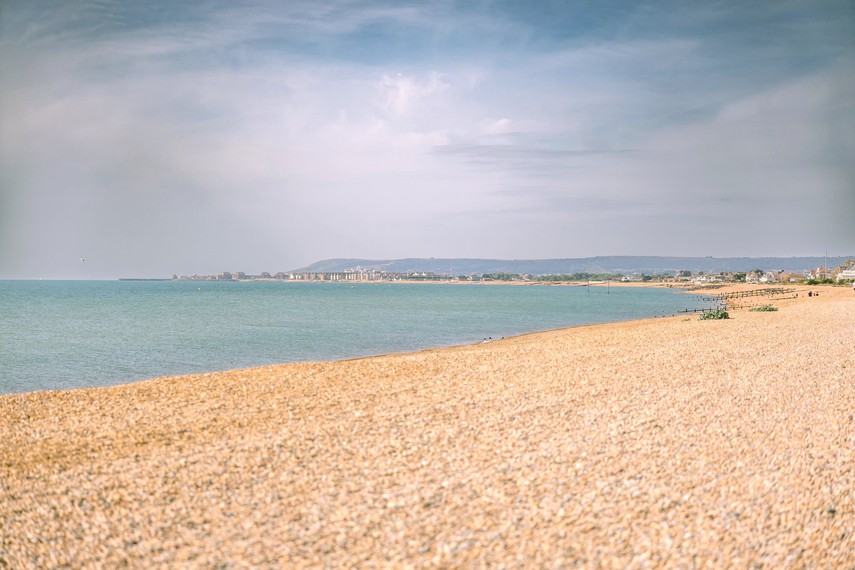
[660,443]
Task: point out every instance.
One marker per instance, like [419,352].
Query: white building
[848,271]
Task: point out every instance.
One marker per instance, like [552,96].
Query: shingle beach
[662,443]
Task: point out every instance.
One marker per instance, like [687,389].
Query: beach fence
[766,291]
[716,300]
[725,300]
[728,299]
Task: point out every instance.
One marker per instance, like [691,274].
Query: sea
[75,334]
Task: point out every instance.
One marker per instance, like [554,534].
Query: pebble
[657,443]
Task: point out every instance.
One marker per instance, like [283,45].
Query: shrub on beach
[714,314]
[763,309]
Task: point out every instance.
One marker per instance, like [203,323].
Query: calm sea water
[71,334]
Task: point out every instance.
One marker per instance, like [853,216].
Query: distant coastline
[625,265]
[642,269]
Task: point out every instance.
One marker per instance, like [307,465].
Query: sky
[146,139]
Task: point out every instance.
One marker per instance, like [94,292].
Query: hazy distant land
[627,265]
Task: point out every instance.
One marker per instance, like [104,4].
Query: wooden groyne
[737,299]
[765,292]
[727,300]
[723,298]
[704,310]
[705,287]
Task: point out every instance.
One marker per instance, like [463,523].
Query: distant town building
[818,273]
[846,271]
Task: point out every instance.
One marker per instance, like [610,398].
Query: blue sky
[196,137]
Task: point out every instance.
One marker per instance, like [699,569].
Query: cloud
[323,128]
[402,93]
[496,126]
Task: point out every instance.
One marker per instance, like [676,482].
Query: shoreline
[474,336]
[657,442]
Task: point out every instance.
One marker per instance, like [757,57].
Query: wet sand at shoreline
[657,443]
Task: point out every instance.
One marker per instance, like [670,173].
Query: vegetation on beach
[714,314]
[763,309]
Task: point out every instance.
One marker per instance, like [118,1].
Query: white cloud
[495,126]
[402,93]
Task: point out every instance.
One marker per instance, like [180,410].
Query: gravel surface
[672,443]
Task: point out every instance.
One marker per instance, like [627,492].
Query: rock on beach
[666,443]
